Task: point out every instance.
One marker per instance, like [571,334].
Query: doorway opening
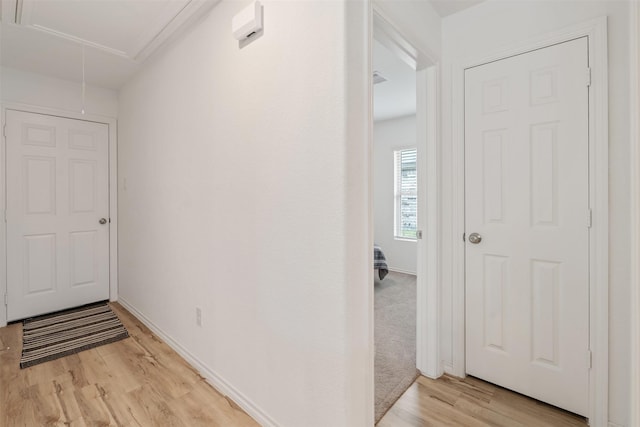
[395,208]
[405,202]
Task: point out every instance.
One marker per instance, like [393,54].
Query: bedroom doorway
[404,189]
[395,208]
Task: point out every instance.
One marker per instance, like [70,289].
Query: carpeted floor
[395,339]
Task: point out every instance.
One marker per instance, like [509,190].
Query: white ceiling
[397,96]
[449,7]
[47,36]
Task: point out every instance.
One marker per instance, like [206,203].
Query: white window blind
[406,194]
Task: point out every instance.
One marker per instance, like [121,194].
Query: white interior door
[57,193]
[527,196]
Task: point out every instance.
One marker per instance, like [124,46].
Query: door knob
[475,238]
[103,221]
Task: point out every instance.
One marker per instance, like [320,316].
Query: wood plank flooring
[450,401]
[139,381]
[142,382]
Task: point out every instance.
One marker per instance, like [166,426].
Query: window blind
[406,194]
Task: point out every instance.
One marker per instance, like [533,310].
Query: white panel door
[527,196]
[57,192]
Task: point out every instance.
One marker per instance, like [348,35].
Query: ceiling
[395,97]
[449,7]
[48,37]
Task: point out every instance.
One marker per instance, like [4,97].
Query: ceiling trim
[192,11]
[19,12]
[388,37]
[397,42]
[78,40]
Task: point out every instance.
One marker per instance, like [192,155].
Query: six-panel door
[57,192]
[527,195]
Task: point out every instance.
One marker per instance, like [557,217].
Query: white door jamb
[428,338]
[634,119]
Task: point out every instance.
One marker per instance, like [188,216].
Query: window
[406,194]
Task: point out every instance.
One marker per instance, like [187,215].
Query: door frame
[634,120]
[111,122]
[596,31]
[427,67]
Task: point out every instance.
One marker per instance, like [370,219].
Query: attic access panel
[127,28]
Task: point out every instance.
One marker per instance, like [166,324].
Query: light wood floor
[471,402]
[141,382]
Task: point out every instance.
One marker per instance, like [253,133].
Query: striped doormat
[67,332]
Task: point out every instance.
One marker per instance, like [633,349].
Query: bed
[379,262]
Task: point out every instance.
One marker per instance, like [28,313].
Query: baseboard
[399,270]
[212,378]
[614,424]
[448,369]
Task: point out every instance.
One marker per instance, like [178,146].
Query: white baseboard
[427,375]
[399,270]
[614,424]
[212,378]
[448,369]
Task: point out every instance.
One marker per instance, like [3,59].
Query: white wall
[240,195]
[494,24]
[33,89]
[388,136]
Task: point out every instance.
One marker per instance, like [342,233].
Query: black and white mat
[60,334]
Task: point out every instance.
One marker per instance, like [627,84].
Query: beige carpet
[395,339]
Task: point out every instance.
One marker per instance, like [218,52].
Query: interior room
[395,213]
[193,188]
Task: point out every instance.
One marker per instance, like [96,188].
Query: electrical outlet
[198,316]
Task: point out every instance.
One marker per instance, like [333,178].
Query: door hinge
[418,233]
[589,218]
[464,237]
[589,359]
[6,299]
[588,76]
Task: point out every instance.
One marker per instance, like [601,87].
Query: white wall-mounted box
[248,22]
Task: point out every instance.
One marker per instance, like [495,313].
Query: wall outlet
[198,316]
